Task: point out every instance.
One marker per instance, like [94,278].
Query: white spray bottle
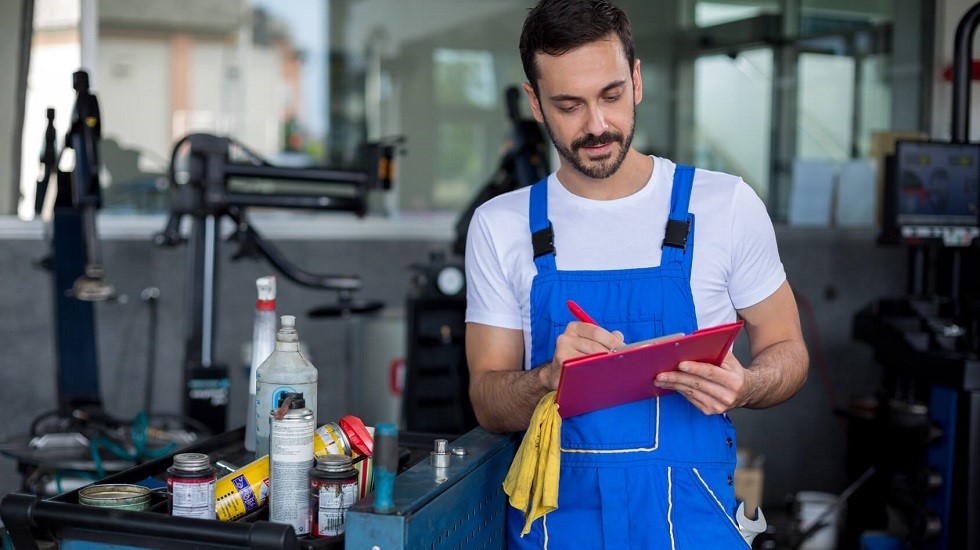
[263,343]
[285,371]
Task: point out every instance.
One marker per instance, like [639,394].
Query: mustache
[592,140]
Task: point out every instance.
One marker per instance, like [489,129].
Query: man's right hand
[578,339]
[503,393]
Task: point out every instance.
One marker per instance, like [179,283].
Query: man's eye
[567,108]
[613,98]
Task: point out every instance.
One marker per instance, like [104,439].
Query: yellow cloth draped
[532,481]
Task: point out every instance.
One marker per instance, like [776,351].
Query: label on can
[330,439]
[192,498]
[333,501]
[291,457]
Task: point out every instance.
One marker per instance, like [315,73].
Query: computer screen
[936,184]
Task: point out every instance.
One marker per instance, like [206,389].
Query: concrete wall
[837,272]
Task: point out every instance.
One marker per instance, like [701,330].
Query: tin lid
[118,492]
[192,461]
[115,496]
[333,463]
[361,440]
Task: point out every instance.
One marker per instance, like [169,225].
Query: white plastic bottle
[285,371]
[263,343]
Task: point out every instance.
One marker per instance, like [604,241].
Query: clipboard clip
[641,343]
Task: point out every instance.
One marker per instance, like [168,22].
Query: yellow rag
[532,481]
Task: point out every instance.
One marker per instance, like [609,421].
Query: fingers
[711,389]
[589,338]
[584,339]
[619,336]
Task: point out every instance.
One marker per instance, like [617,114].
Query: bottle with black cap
[290,459]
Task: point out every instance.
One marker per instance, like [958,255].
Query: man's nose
[597,121]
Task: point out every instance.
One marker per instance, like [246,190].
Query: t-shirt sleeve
[490,298]
[757,271]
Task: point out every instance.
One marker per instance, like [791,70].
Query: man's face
[587,101]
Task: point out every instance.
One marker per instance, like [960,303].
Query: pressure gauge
[450,280]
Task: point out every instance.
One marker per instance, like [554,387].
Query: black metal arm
[205,197]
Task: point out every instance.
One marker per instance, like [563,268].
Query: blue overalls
[646,475]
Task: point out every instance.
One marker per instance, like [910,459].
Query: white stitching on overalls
[544,526]
[656,442]
[718,502]
[670,508]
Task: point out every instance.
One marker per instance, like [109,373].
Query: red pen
[579,313]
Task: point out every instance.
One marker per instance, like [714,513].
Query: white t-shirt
[736,262]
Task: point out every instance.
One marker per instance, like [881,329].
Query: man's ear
[532,101]
[637,83]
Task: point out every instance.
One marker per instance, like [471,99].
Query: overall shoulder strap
[678,221]
[542,235]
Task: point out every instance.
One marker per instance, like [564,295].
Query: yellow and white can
[243,491]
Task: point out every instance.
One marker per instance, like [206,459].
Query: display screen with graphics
[936,183]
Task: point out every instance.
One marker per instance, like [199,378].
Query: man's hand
[779,362]
[712,389]
[578,339]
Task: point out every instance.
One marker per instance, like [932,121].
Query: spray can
[333,490]
[190,482]
[286,370]
[243,491]
[290,460]
[263,343]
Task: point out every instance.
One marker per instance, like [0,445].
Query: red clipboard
[603,380]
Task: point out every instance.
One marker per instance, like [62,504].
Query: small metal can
[348,436]
[333,490]
[115,496]
[191,482]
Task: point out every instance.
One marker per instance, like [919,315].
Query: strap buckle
[676,234]
[543,241]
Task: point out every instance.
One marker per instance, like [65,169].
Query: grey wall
[837,272]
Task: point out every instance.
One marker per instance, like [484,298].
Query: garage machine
[922,431]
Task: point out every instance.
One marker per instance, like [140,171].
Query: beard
[598,167]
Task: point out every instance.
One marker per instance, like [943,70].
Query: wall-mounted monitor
[932,191]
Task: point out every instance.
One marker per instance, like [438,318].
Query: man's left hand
[712,389]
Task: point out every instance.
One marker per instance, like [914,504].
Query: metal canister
[349,436]
[243,491]
[333,490]
[191,481]
[330,439]
[115,496]
[290,460]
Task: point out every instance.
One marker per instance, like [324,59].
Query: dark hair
[555,27]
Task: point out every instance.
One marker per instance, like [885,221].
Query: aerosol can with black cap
[290,461]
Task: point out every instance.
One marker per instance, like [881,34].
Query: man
[655,473]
